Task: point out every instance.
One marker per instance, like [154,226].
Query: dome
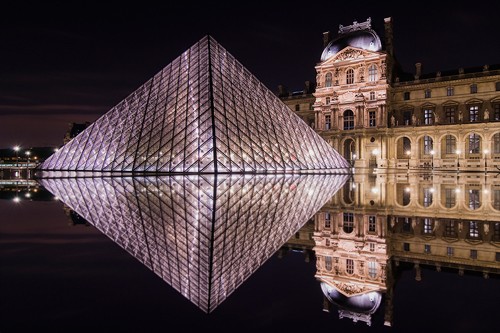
[364,303]
[365,39]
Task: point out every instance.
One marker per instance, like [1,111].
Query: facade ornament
[486,114]
[355,26]
[486,228]
[349,54]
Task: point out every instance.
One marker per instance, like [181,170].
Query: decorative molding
[356,26]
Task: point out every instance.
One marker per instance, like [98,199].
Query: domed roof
[363,303]
[366,39]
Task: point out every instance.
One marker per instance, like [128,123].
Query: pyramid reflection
[203,235]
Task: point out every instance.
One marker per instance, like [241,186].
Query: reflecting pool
[371,252]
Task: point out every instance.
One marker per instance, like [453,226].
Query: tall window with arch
[372,73]
[450,144]
[328,80]
[349,76]
[496,143]
[428,145]
[348,120]
[474,143]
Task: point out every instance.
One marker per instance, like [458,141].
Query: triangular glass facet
[203,113]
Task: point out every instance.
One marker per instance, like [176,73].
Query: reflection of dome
[365,39]
[366,303]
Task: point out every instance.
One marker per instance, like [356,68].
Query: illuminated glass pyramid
[203,113]
[202,234]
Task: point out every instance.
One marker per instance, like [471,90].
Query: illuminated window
[406,95]
[473,229]
[372,269]
[348,120]
[328,263]
[372,223]
[449,113]
[428,117]
[427,226]
[427,197]
[328,220]
[474,143]
[473,254]
[348,223]
[428,145]
[372,95]
[496,112]
[328,80]
[328,122]
[372,73]
[350,76]
[427,248]
[372,119]
[349,263]
[450,91]
[427,93]
[450,197]
[473,88]
[474,201]
[449,251]
[473,113]
[451,144]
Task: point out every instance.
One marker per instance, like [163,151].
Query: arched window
[372,73]
[450,144]
[348,120]
[496,143]
[349,77]
[474,143]
[328,80]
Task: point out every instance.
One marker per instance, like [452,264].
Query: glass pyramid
[202,234]
[203,113]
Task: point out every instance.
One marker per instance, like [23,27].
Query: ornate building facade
[377,116]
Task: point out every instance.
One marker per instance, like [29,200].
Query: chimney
[326,38]
[418,70]
[282,91]
[307,87]
[388,35]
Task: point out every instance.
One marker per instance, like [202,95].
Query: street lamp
[408,154]
[486,151]
[16,149]
[458,159]
[353,159]
[28,153]
[432,159]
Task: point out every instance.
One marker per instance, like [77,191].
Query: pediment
[349,53]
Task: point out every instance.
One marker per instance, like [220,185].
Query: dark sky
[73,61]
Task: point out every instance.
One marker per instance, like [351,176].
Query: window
[406,247]
[427,197]
[450,91]
[372,247]
[473,254]
[449,229]
[473,229]
[473,88]
[327,101]
[450,198]
[427,248]
[406,95]
[449,113]
[372,73]
[473,113]
[372,223]
[372,269]
[474,143]
[348,120]
[328,122]
[348,225]
[451,144]
[327,242]
[427,93]
[474,202]
[349,76]
[372,95]
[407,224]
[496,112]
[372,119]
[496,143]
[427,226]
[449,251]
[428,119]
[428,145]
[328,220]
[311,106]
[328,263]
[349,265]
[497,86]
[496,231]
[497,256]
[297,235]
[328,80]
[297,107]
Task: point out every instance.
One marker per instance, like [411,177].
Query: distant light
[16,148]
[374,190]
[432,152]
[457,190]
[28,153]
[56,149]
[407,189]
[56,197]
[457,152]
[432,190]
[408,152]
[486,151]
[16,199]
[28,195]
[375,151]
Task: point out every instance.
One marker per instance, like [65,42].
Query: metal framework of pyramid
[203,113]
[202,234]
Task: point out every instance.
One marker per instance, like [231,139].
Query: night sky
[73,62]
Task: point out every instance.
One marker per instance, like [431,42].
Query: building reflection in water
[376,224]
[203,235]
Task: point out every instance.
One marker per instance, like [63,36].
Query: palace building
[379,117]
